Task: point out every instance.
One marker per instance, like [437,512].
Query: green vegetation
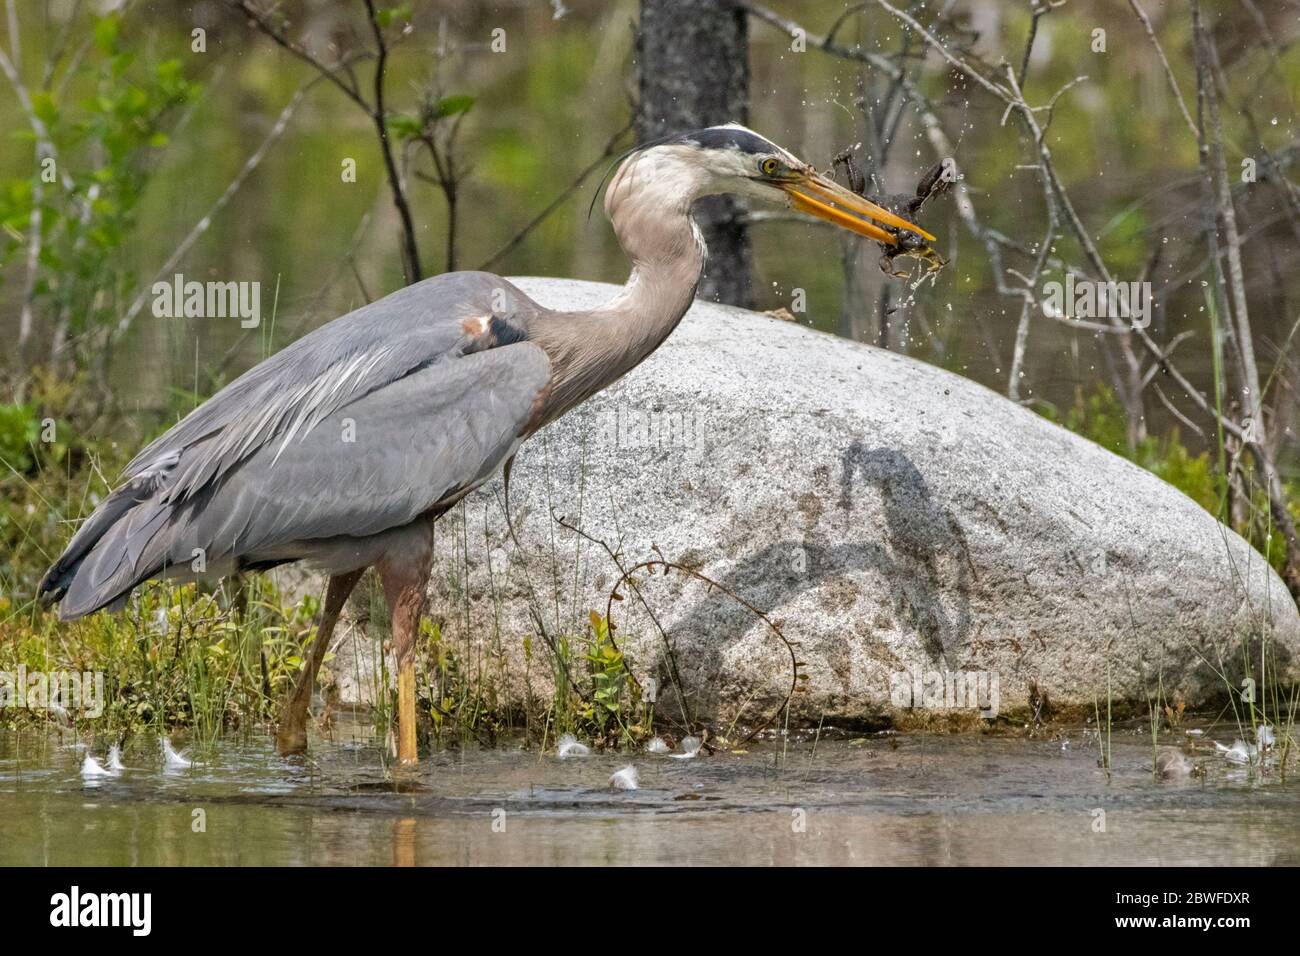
[175,658]
[97,142]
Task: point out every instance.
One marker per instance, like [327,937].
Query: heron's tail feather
[110,554]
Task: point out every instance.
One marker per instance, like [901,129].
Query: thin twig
[44,151]
[410,249]
[278,37]
[614,555]
[1164,61]
[335,75]
[663,564]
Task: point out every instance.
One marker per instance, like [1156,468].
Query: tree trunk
[693,71]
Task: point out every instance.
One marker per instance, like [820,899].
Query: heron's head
[733,159]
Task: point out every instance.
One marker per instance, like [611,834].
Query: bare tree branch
[44,151]
[410,250]
[335,75]
[265,26]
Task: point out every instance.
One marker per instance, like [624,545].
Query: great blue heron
[344,448]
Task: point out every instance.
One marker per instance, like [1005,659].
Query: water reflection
[943,801]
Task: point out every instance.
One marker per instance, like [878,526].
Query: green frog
[933,183]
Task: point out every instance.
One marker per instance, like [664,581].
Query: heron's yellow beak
[826,199]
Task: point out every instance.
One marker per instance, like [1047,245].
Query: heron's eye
[769,166]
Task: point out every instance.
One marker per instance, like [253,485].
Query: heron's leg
[291,734]
[406,586]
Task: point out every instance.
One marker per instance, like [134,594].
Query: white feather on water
[1240,752]
[624,779]
[1173,764]
[173,760]
[91,769]
[115,759]
[1264,736]
[657,746]
[690,748]
[569,747]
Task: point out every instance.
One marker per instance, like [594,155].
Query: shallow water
[901,800]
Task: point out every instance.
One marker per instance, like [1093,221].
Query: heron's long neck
[590,350]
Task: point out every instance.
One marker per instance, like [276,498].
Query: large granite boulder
[928,544]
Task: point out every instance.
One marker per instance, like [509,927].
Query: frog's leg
[887,267]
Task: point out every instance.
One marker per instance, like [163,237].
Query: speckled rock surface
[900,523]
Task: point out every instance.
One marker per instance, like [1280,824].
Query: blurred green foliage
[20,428]
[100,137]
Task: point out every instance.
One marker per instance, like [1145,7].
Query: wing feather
[376,463]
[293,390]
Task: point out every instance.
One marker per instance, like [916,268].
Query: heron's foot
[290,740]
[291,733]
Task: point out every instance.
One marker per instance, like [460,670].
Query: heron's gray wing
[291,392]
[377,462]
[411,342]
